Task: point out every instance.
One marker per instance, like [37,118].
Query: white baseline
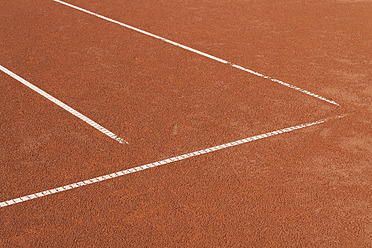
[200,53]
[162,162]
[64,106]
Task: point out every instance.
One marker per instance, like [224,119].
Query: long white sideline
[158,163]
[200,53]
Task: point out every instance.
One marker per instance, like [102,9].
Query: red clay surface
[306,188]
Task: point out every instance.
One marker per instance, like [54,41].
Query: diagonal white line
[162,162]
[64,106]
[200,53]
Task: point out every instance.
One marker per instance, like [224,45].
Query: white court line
[162,162]
[200,53]
[64,106]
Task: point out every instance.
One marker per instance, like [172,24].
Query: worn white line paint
[162,162]
[64,106]
[200,53]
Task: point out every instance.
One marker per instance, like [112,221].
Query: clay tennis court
[185,123]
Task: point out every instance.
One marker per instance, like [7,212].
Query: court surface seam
[200,53]
[64,106]
[162,162]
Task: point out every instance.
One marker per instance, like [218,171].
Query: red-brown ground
[305,188]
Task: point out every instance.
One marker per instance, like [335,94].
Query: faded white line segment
[200,53]
[64,106]
[158,163]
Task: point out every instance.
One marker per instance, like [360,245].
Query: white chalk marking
[199,52]
[64,106]
[162,162]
